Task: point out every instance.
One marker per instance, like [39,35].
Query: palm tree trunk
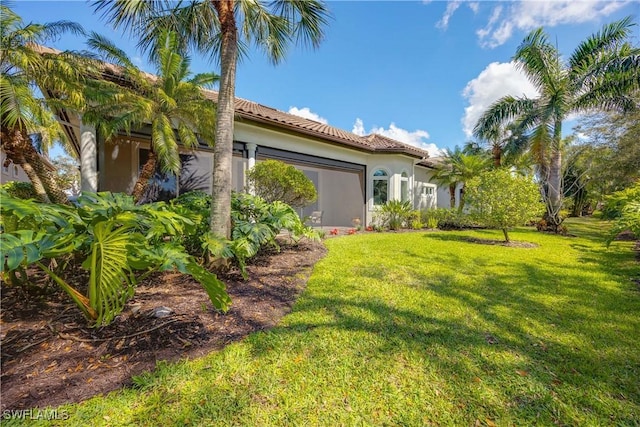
[452,196]
[223,149]
[554,202]
[497,156]
[14,142]
[148,169]
[51,185]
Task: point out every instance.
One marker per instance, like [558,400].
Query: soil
[50,356]
[511,244]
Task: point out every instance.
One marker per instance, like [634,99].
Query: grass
[423,329]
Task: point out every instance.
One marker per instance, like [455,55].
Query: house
[353,174]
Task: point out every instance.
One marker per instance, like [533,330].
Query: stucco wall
[11,172]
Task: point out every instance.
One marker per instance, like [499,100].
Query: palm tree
[24,64]
[164,101]
[222,29]
[599,75]
[457,168]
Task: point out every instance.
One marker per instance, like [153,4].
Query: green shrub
[628,221]
[503,200]
[393,215]
[614,204]
[20,190]
[274,181]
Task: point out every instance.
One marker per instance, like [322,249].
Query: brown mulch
[511,244]
[51,357]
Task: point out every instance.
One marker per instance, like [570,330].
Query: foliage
[615,204]
[274,180]
[171,103]
[222,30]
[629,220]
[608,139]
[255,224]
[601,74]
[20,190]
[447,219]
[394,214]
[422,329]
[117,241]
[504,200]
[67,174]
[26,118]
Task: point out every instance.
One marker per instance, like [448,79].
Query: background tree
[274,180]
[222,29]
[503,199]
[26,118]
[165,101]
[600,74]
[456,168]
[67,174]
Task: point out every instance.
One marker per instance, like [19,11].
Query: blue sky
[417,71]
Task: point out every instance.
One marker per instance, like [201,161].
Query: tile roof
[253,111]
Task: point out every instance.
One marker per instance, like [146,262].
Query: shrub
[394,214]
[20,190]
[614,204]
[628,221]
[274,180]
[503,200]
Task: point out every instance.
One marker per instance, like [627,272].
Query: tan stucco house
[353,174]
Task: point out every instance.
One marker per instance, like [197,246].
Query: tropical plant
[221,29]
[615,203]
[20,190]
[26,118]
[255,224]
[600,74]
[118,242]
[629,220]
[274,180]
[166,101]
[395,214]
[502,199]
[456,169]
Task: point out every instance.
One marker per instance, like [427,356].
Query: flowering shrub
[352,231]
[334,232]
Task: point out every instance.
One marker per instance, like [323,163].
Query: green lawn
[423,328]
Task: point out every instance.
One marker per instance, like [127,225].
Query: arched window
[404,187]
[380,187]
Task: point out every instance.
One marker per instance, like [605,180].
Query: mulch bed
[51,357]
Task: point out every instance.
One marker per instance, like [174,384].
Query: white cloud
[528,15]
[452,6]
[307,114]
[416,138]
[494,82]
[474,6]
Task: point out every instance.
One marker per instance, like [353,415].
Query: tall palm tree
[599,75]
[163,101]
[23,113]
[222,29]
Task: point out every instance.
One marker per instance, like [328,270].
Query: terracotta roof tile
[376,143]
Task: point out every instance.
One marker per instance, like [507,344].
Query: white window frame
[386,178]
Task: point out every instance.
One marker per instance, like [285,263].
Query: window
[16,171]
[427,191]
[380,187]
[404,187]
[5,165]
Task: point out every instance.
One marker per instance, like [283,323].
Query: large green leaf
[110,282]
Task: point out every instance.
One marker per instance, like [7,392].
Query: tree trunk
[146,173]
[452,196]
[46,176]
[14,144]
[223,149]
[506,235]
[497,156]
[554,184]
